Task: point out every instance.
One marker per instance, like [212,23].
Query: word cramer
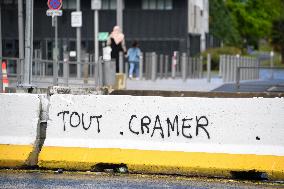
[144,125]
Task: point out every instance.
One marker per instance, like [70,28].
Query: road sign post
[54,11]
[96,6]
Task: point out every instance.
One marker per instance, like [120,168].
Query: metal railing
[43,74]
[255,69]
[153,66]
[228,68]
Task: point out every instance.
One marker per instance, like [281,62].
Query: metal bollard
[147,64]
[154,66]
[166,66]
[141,66]
[161,62]
[208,68]
[271,64]
[189,67]
[120,62]
[220,65]
[223,66]
[127,66]
[183,66]
[233,71]
[200,67]
[65,71]
[225,73]
[174,64]
[237,77]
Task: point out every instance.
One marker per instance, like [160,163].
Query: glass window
[161,4]
[168,4]
[108,4]
[112,4]
[145,4]
[105,4]
[69,4]
[157,4]
[8,1]
[152,4]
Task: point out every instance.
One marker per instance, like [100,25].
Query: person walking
[117,43]
[133,55]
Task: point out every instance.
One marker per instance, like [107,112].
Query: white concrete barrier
[19,117]
[166,134]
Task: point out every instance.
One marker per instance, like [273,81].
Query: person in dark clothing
[117,43]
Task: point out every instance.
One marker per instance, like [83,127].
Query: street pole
[28,44]
[1,77]
[78,44]
[55,56]
[119,14]
[20,66]
[96,29]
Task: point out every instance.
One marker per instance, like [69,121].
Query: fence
[153,66]
[228,68]
[42,72]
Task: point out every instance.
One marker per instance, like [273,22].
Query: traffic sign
[54,4]
[76,19]
[103,36]
[96,4]
[53,13]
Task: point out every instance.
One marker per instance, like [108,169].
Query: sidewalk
[174,84]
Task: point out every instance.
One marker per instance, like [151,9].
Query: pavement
[175,84]
[69,180]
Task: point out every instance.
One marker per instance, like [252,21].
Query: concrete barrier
[19,119]
[204,136]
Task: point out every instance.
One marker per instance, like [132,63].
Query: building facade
[162,26]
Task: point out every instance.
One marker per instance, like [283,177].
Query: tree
[221,23]
[277,36]
[254,18]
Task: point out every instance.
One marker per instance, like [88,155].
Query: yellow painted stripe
[14,155]
[170,162]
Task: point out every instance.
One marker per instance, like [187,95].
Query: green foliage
[254,17]
[216,52]
[221,24]
[243,22]
[278,36]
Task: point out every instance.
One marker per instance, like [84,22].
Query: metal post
[96,32]
[55,61]
[20,66]
[153,66]
[201,67]
[238,77]
[120,62]
[225,69]
[161,61]
[208,68]
[174,64]
[141,67]
[28,44]
[271,64]
[166,65]
[78,43]
[1,77]
[119,14]
[220,65]
[127,69]
[233,68]
[190,64]
[183,66]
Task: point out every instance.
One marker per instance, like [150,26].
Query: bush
[215,55]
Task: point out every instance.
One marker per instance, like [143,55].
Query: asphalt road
[68,180]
